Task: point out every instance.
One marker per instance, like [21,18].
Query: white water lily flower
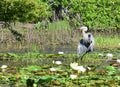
[60,52]
[88,68]
[52,69]
[58,62]
[81,68]
[73,76]
[4,66]
[118,60]
[109,55]
[74,66]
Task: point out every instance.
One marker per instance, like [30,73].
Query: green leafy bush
[97,14]
[23,10]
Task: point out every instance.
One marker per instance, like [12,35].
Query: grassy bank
[107,41]
[51,39]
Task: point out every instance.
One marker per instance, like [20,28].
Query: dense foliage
[93,13]
[22,10]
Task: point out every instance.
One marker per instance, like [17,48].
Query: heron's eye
[89,35]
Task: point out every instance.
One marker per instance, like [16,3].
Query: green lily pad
[111,68]
[34,68]
[45,78]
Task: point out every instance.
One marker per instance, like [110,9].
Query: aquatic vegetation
[33,68]
[66,74]
[60,69]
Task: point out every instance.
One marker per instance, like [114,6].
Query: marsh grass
[109,42]
[58,36]
[58,25]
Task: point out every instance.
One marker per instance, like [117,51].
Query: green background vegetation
[97,14]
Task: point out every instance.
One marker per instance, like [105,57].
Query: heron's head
[84,28]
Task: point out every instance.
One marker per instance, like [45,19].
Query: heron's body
[86,44]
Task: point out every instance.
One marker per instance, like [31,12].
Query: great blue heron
[86,44]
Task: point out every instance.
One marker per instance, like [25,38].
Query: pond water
[67,49]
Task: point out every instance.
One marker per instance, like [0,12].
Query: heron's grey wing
[81,49]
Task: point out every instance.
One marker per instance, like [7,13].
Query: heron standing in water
[86,44]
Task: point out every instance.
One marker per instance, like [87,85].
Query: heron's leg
[81,58]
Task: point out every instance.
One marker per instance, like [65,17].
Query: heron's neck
[84,35]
